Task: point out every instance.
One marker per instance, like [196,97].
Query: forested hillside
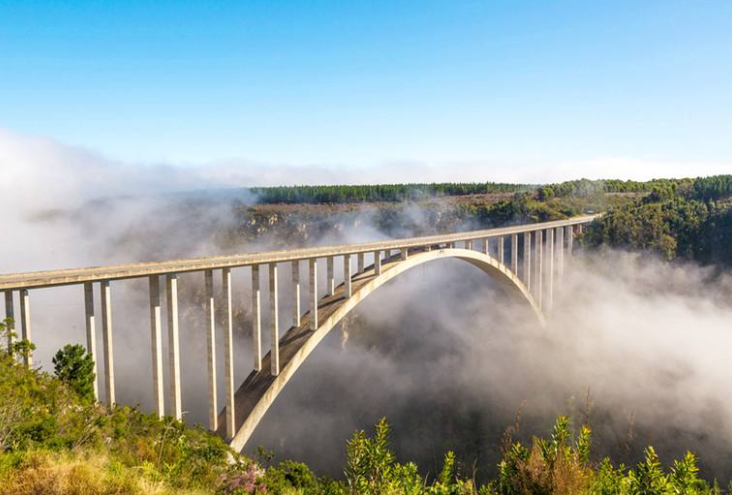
[690,219]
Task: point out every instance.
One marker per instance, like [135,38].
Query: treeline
[690,219]
[378,192]
[708,188]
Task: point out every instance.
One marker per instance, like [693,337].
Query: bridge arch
[259,391]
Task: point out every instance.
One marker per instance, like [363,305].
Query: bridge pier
[514,253]
[539,266]
[313,294]
[157,345]
[210,306]
[361,263]
[377,262]
[256,318]
[347,287]
[501,250]
[106,297]
[330,277]
[296,312]
[527,260]
[171,295]
[10,317]
[486,246]
[228,353]
[550,268]
[560,253]
[91,332]
[469,245]
[570,239]
[274,321]
[25,325]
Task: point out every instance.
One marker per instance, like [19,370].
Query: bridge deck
[52,278]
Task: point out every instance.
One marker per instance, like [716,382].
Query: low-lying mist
[636,346]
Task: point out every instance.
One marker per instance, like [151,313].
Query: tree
[75,367]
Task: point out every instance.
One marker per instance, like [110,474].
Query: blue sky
[369,83]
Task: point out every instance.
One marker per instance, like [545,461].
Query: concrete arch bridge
[524,260]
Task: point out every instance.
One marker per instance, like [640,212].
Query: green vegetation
[378,192]
[74,367]
[53,439]
[689,219]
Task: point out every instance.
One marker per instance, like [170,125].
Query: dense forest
[689,219]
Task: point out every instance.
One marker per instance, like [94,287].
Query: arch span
[255,396]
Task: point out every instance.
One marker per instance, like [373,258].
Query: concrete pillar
[213,406]
[451,245]
[501,250]
[539,245]
[405,254]
[313,294]
[486,246]
[514,253]
[527,260]
[330,280]
[91,332]
[361,263]
[25,324]
[10,317]
[274,321]
[559,235]
[296,312]
[570,239]
[228,353]
[347,287]
[156,340]
[377,262]
[106,297]
[550,269]
[171,296]
[469,245]
[256,318]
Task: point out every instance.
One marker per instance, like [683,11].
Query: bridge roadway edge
[260,389]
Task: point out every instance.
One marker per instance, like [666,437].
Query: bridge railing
[529,246]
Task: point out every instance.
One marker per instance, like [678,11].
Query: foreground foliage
[53,440]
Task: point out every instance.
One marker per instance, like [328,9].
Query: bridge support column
[377,262]
[171,295]
[213,406]
[274,321]
[91,332]
[313,294]
[296,312]
[256,319]
[157,345]
[10,316]
[361,263]
[550,269]
[106,297]
[228,353]
[539,267]
[405,254]
[560,252]
[25,324]
[347,287]
[469,245]
[527,260]
[570,239]
[514,253]
[501,250]
[330,276]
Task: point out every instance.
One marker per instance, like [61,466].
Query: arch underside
[260,389]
